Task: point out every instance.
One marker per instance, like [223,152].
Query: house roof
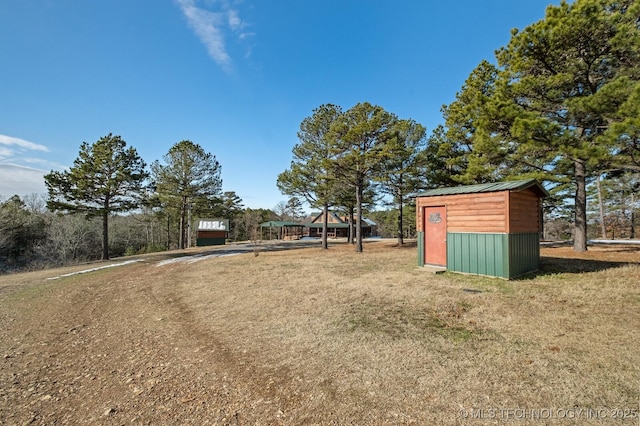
[279,224]
[341,223]
[329,225]
[515,185]
[318,217]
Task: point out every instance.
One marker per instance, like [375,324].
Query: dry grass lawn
[371,337]
[337,337]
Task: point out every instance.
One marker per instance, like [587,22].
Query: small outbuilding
[212,232]
[487,229]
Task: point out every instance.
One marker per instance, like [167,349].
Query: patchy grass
[401,321]
[338,337]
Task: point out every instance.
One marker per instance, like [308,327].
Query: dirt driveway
[113,347]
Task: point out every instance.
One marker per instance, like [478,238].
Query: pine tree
[401,171]
[360,137]
[106,178]
[189,178]
[310,175]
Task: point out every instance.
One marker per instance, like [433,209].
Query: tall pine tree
[361,135]
[107,177]
[310,175]
[189,178]
[402,170]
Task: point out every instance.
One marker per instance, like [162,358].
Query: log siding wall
[524,212]
[470,212]
[491,212]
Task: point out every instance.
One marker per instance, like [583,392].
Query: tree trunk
[352,228]
[183,214]
[580,230]
[168,232]
[632,231]
[400,230]
[188,226]
[105,234]
[400,206]
[603,228]
[325,226]
[359,191]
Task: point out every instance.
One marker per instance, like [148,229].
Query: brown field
[310,337]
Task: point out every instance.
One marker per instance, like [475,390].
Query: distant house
[338,226]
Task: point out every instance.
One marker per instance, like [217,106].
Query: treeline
[32,237]
[109,203]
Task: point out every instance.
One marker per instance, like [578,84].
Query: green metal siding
[210,242]
[524,253]
[496,255]
[483,254]
[454,257]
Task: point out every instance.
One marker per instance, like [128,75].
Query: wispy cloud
[209,26]
[16,152]
[235,23]
[243,36]
[15,177]
[5,152]
[10,141]
[20,181]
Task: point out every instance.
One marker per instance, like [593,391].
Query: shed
[487,229]
[212,232]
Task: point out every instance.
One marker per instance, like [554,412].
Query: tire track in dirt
[122,347]
[268,392]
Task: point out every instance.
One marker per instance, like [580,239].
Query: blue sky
[236,77]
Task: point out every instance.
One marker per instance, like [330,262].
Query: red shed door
[435,235]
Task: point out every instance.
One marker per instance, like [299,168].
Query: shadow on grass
[557,265]
[407,245]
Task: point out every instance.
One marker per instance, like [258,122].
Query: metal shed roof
[213,225]
[515,185]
